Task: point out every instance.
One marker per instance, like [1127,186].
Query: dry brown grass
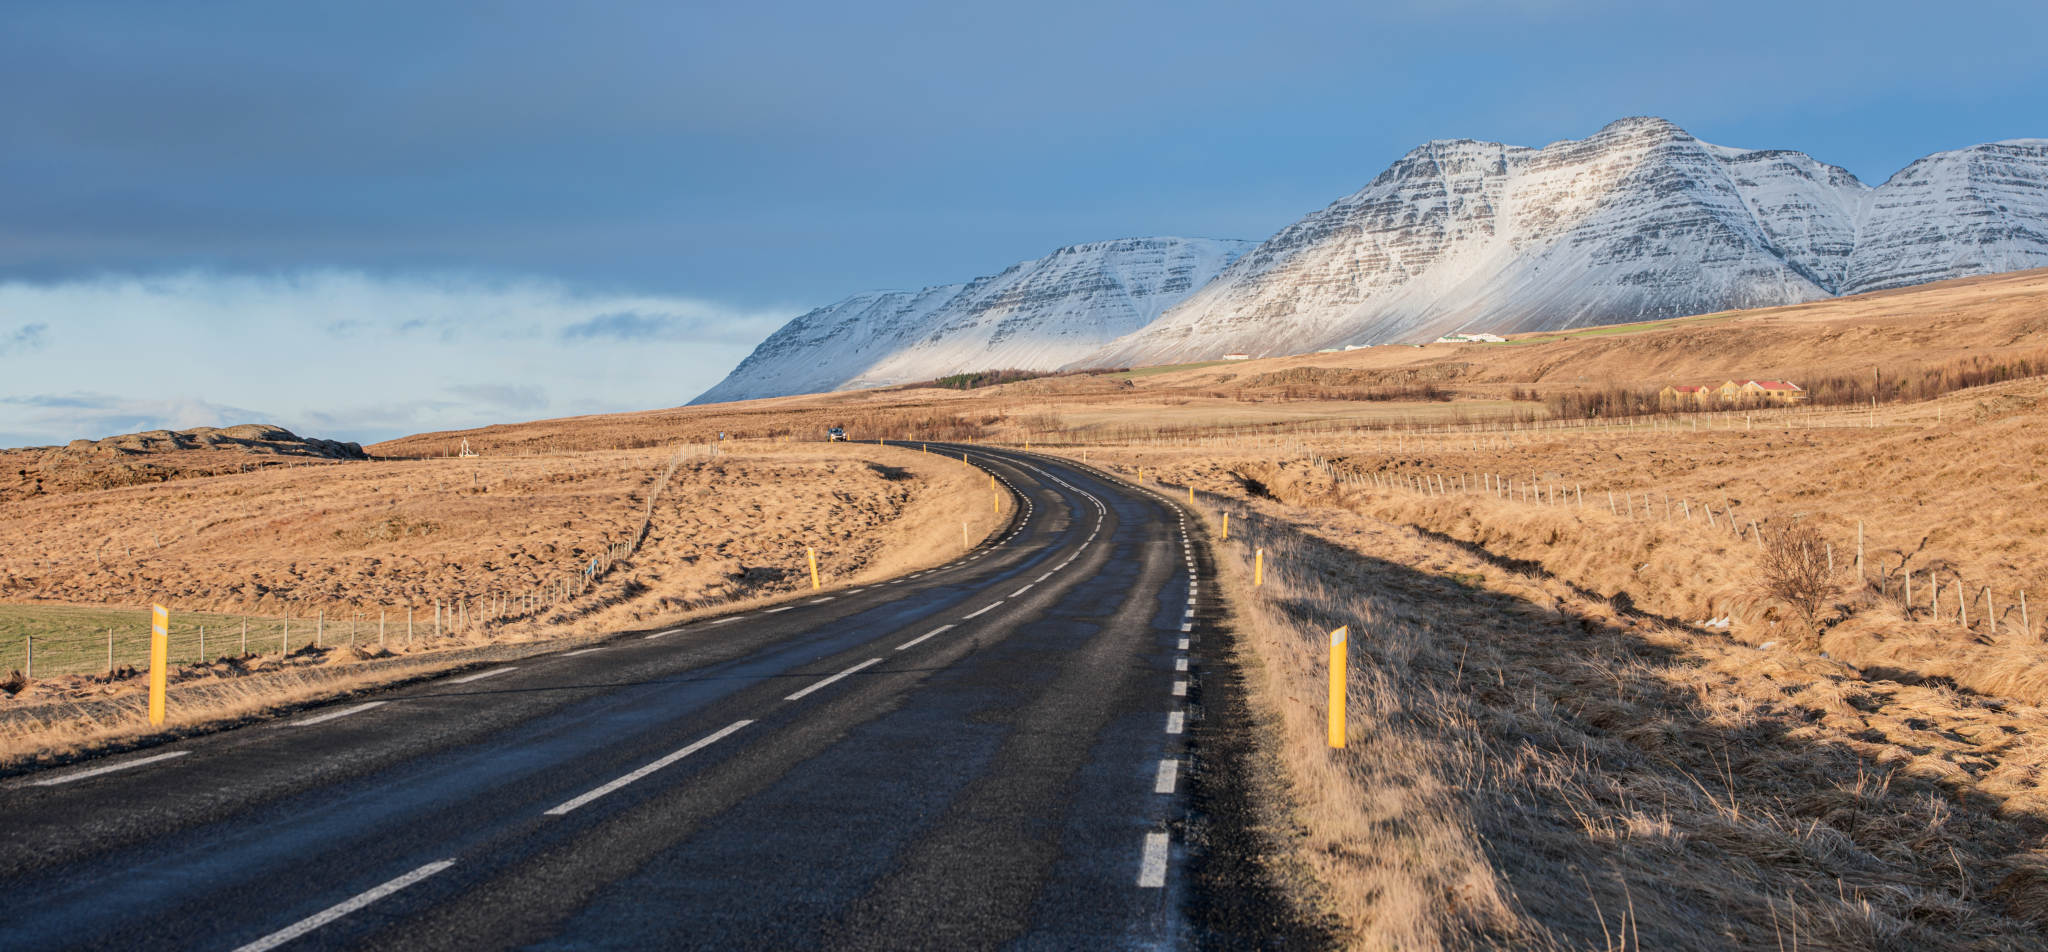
[1532,767]
[728,532]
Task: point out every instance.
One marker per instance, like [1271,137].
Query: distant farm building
[1685,396]
[1730,393]
[1775,391]
[1237,356]
[1471,339]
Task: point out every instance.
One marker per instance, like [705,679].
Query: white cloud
[346,355]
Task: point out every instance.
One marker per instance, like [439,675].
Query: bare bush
[1796,568]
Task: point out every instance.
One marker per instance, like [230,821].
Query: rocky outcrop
[251,438]
[158,456]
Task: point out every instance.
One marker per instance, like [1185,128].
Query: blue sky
[367,219]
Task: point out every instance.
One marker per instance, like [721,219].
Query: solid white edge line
[650,768]
[983,611]
[1152,868]
[358,709]
[923,636]
[1169,771]
[833,678]
[96,771]
[494,672]
[343,908]
[1176,722]
[1022,590]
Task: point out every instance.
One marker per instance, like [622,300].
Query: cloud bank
[346,355]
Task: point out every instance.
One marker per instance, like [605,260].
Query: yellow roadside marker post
[159,660]
[1226,527]
[963,537]
[1339,644]
[811,555]
[1258,567]
[1191,495]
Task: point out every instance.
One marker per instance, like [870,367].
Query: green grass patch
[73,640]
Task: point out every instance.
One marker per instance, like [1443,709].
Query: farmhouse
[1773,391]
[1685,396]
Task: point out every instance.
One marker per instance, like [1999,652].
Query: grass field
[1168,368]
[74,639]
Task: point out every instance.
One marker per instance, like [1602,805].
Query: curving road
[1003,751]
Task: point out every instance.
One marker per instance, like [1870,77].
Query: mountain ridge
[1035,315]
[1639,221]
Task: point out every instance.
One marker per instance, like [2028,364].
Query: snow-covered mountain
[1637,222]
[1037,315]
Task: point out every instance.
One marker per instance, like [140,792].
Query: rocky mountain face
[1637,222]
[1037,315]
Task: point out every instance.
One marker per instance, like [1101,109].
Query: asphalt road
[992,753]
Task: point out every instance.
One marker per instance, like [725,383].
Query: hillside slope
[1037,315]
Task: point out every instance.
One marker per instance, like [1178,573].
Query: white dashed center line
[782,609]
[964,618]
[572,654]
[96,771]
[1183,644]
[344,712]
[1180,664]
[487,674]
[1180,689]
[1152,868]
[833,678]
[1175,721]
[650,768]
[1022,590]
[923,637]
[1169,771]
[339,910]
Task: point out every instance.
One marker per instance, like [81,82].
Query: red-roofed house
[1776,391]
[1685,396]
